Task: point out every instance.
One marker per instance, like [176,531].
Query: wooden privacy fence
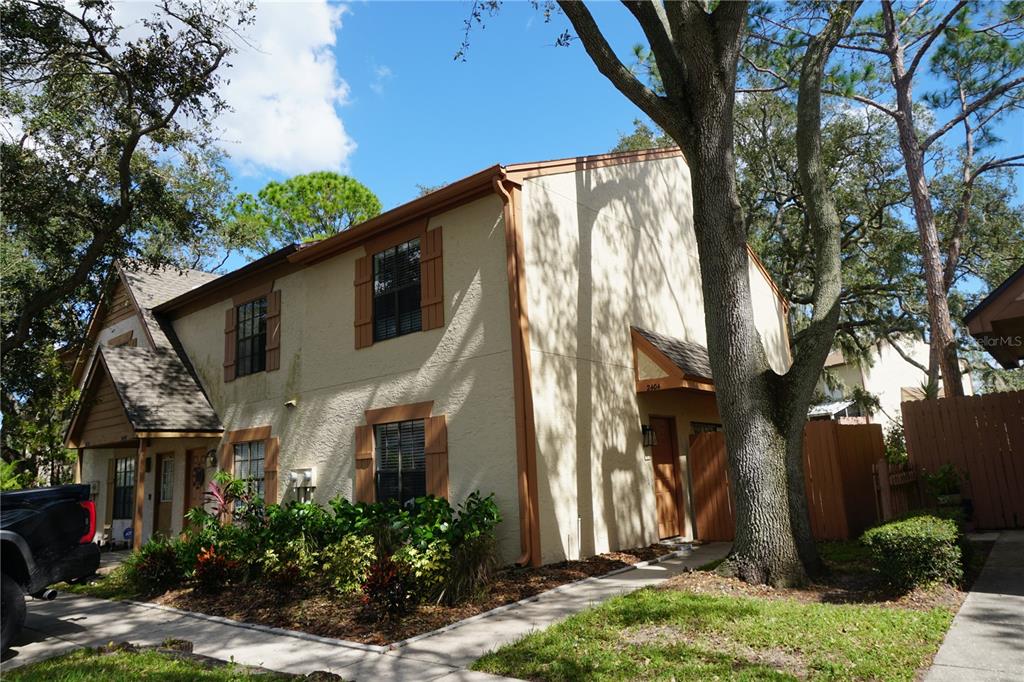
[897,489]
[983,438]
[838,475]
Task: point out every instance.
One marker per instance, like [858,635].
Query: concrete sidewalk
[72,621]
[986,640]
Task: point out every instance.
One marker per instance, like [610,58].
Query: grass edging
[539,596]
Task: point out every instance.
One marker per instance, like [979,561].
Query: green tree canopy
[303,208]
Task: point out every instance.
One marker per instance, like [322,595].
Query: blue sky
[371,89]
[417,116]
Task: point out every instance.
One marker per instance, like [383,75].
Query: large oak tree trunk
[764,550]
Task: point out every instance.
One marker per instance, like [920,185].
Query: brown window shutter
[230,330]
[270,470]
[431,281]
[436,433]
[226,462]
[365,488]
[364,301]
[274,330]
[108,513]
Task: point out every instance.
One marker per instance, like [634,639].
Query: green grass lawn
[670,634]
[88,665]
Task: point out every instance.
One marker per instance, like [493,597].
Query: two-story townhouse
[534,330]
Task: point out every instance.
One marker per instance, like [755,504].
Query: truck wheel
[13,611]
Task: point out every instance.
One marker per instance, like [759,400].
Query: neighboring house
[886,375]
[535,331]
[997,323]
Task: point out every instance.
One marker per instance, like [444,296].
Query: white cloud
[381,75]
[284,91]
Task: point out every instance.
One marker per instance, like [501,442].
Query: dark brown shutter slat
[432,280]
[270,459]
[436,436]
[274,330]
[364,488]
[230,332]
[364,302]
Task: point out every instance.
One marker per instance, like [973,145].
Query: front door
[164,493]
[666,477]
[195,479]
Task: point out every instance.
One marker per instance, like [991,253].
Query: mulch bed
[327,614]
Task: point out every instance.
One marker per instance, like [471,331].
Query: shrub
[916,551]
[474,550]
[388,593]
[213,570]
[429,567]
[292,564]
[944,481]
[345,564]
[155,567]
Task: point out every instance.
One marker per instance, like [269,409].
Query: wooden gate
[838,477]
[983,438]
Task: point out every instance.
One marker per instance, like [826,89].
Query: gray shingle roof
[158,391]
[153,287]
[690,357]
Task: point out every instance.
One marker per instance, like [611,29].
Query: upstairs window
[396,291]
[401,460]
[251,339]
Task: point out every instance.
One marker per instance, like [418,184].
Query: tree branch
[611,66]
[932,36]
[970,109]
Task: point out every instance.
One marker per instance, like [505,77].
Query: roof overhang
[653,370]
[997,323]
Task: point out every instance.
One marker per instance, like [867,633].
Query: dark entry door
[164,493]
[666,477]
[195,479]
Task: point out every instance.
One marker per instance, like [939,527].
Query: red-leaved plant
[213,571]
[389,590]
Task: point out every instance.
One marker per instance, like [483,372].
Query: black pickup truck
[45,538]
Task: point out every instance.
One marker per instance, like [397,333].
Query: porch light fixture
[650,438]
[211,458]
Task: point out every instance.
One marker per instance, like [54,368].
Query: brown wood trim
[246,435]
[399,413]
[650,350]
[397,235]
[518,172]
[261,290]
[674,375]
[663,383]
[526,436]
[121,339]
[267,269]
[457,193]
[768,276]
[140,493]
[179,434]
[678,472]
[271,463]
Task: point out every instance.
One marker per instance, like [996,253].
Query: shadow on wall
[603,255]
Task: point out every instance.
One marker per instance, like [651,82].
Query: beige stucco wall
[605,249]
[464,367]
[94,469]
[885,374]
